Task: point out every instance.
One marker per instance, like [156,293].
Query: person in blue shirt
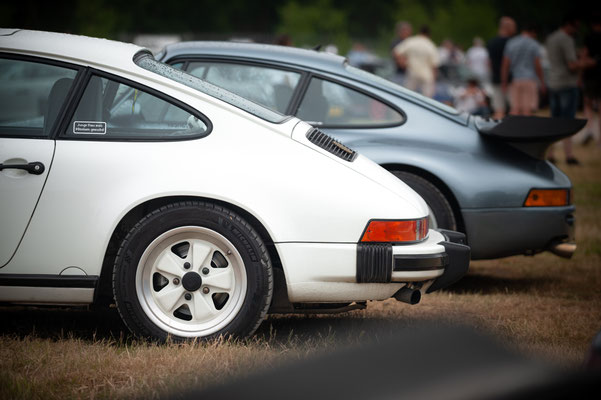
[522,58]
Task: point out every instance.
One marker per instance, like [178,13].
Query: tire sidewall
[226,223]
[435,199]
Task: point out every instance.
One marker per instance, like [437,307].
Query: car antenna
[318,47]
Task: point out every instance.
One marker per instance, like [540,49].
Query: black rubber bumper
[375,262]
[458,254]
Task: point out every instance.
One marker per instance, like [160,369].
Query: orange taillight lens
[396,231]
[548,198]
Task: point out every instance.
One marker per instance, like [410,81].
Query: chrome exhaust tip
[409,296]
[564,250]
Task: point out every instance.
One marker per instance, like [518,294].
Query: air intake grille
[331,145]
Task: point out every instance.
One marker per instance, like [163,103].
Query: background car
[479,183]
[193,209]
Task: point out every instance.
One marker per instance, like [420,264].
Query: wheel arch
[103,295]
[436,181]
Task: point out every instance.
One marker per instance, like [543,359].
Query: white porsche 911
[196,212]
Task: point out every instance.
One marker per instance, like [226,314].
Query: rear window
[146,61]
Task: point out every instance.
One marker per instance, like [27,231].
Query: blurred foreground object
[432,361]
[593,361]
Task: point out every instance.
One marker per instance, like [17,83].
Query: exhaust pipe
[409,296]
[565,250]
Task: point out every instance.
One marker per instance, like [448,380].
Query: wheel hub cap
[192,281]
[191,302]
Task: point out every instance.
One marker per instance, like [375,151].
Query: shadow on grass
[61,323]
[342,328]
[80,323]
[486,284]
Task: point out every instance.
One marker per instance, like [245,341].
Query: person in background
[450,54]
[472,99]
[421,57]
[591,78]
[522,57]
[331,48]
[403,31]
[359,56]
[496,47]
[563,77]
[478,61]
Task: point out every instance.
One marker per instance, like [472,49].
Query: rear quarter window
[327,103]
[110,109]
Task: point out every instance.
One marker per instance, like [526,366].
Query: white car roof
[81,48]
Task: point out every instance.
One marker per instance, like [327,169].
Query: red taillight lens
[548,198]
[396,231]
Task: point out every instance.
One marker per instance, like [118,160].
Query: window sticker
[89,127]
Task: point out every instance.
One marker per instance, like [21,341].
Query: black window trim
[76,81]
[298,90]
[317,75]
[76,98]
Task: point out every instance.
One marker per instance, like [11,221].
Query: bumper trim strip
[420,262]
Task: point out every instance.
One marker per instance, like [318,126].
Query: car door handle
[35,168]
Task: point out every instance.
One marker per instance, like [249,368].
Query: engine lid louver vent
[331,145]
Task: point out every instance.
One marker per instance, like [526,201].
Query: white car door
[26,147]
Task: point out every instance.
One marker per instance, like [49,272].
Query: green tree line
[307,22]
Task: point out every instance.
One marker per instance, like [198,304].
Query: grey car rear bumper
[458,255]
[503,232]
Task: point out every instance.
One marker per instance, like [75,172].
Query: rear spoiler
[532,135]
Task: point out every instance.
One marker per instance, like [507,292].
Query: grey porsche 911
[486,178]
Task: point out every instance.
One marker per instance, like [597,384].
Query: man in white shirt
[478,61]
[421,57]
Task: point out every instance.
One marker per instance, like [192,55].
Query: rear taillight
[395,231]
[548,198]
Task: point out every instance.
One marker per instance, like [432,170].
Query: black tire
[440,206]
[192,231]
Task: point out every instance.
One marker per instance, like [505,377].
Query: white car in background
[194,210]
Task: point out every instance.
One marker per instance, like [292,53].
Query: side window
[329,103]
[113,110]
[270,87]
[31,96]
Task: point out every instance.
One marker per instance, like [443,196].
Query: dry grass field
[542,306]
